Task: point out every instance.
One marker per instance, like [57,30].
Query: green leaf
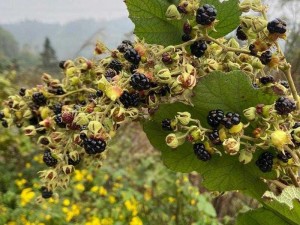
[261,216]
[151,23]
[230,92]
[286,197]
[228,14]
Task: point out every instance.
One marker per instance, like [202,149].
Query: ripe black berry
[72,162]
[186,37]
[284,83]
[99,93]
[129,99]
[57,108]
[115,65]
[266,57]
[46,193]
[164,90]
[140,82]
[93,146]
[133,68]
[284,106]
[267,79]
[214,137]
[39,99]
[83,136]
[62,64]
[131,55]
[22,92]
[166,125]
[201,152]
[198,48]
[277,26]
[57,91]
[2,115]
[231,119]
[48,158]
[240,34]
[215,117]
[252,50]
[4,123]
[206,14]
[124,46]
[284,157]
[265,162]
[59,122]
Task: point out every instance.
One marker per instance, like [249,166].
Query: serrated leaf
[288,195]
[151,23]
[228,14]
[231,92]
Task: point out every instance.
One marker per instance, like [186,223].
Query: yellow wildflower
[131,205]
[66,202]
[171,199]
[26,196]
[79,187]
[102,191]
[27,165]
[193,202]
[95,189]
[136,221]
[93,221]
[112,199]
[107,221]
[73,212]
[20,182]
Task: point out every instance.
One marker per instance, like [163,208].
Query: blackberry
[214,137]
[124,46]
[231,119]
[133,68]
[285,84]
[265,162]
[206,14]
[277,26]
[186,37]
[215,117]
[61,64]
[187,28]
[46,193]
[284,106]
[266,57]
[110,73]
[181,9]
[39,99]
[2,115]
[130,100]
[57,108]
[34,120]
[284,157]
[83,136]
[99,93]
[240,34]
[201,152]
[72,162]
[115,65]
[267,79]
[140,82]
[131,55]
[198,48]
[166,58]
[166,125]
[22,92]
[59,122]
[48,159]
[4,123]
[164,90]
[93,146]
[57,91]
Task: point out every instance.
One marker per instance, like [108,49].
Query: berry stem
[293,154]
[90,90]
[293,177]
[248,138]
[109,106]
[278,184]
[288,75]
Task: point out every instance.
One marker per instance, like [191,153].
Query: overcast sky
[61,11]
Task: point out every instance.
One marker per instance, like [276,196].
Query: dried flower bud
[164,76]
[245,156]
[173,140]
[68,169]
[30,130]
[250,113]
[172,13]
[231,146]
[184,117]
[81,119]
[95,126]
[245,5]
[258,24]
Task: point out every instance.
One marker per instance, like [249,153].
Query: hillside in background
[69,39]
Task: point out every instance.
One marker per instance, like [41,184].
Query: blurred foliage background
[133,186]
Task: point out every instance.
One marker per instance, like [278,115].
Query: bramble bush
[225,107]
